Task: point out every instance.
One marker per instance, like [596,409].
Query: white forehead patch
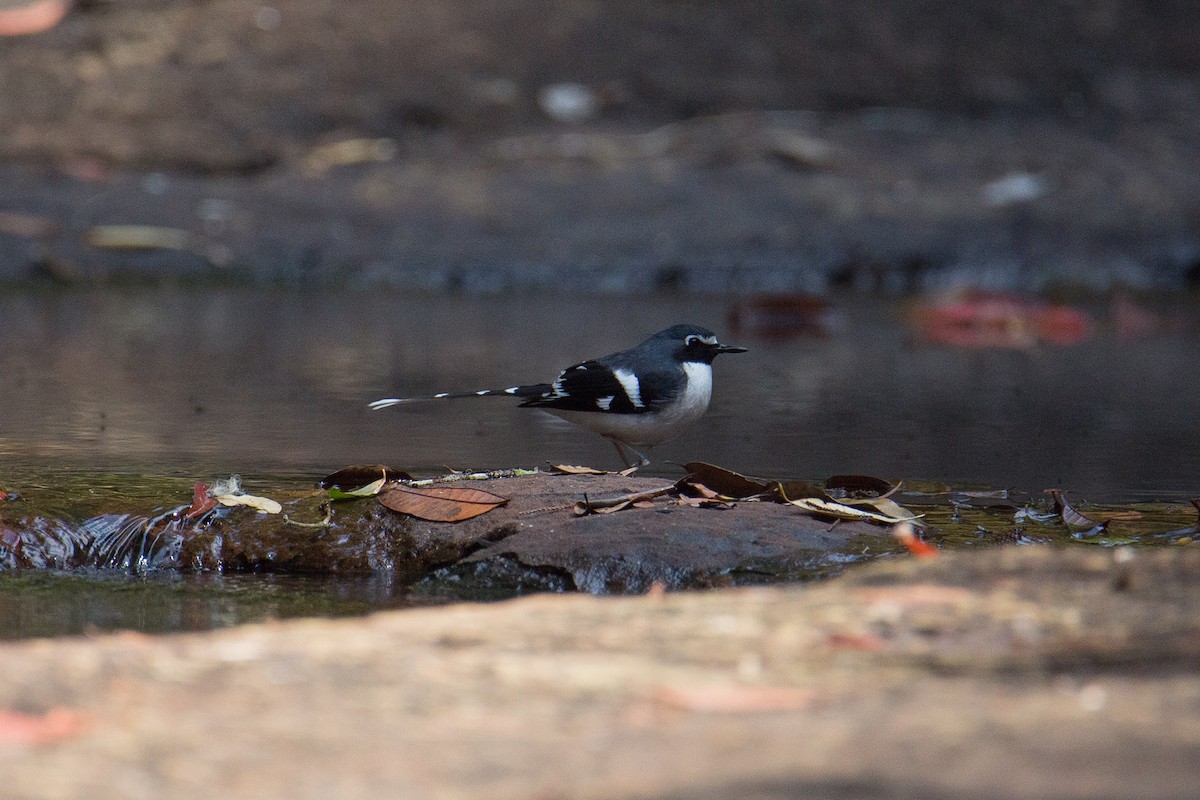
[710,339]
[631,385]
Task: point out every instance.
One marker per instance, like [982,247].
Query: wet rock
[533,543]
[675,546]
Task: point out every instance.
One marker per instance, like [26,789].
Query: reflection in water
[259,381]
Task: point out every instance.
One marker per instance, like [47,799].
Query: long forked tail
[533,390]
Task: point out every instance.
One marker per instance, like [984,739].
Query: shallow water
[195,385]
[210,382]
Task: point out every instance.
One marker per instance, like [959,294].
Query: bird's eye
[691,340]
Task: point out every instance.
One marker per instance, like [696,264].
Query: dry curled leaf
[439,503]
[842,511]
[883,505]
[725,483]
[569,469]
[860,484]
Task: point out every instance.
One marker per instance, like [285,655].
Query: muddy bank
[898,201]
[737,146]
[1029,673]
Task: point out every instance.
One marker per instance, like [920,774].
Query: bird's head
[692,343]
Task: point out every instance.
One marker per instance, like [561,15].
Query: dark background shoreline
[745,146]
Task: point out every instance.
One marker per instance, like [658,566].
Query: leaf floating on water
[137,237]
[351,480]
[1074,519]
[439,503]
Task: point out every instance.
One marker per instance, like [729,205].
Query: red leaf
[201,502]
[439,503]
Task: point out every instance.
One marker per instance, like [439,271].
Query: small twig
[587,505]
[326,507]
[475,476]
[545,509]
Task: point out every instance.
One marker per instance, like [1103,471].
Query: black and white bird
[638,397]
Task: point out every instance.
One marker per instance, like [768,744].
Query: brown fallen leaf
[569,469]
[787,491]
[859,484]
[1068,513]
[718,699]
[1076,519]
[354,477]
[439,503]
[726,483]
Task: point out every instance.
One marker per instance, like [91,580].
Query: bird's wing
[600,385]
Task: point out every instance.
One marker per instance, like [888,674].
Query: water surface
[206,383]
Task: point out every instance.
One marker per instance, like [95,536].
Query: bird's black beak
[729,348]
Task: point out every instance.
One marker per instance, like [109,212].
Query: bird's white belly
[651,427]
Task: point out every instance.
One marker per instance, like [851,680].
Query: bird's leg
[621,446]
[620,451]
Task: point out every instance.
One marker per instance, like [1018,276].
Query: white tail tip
[387,402]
